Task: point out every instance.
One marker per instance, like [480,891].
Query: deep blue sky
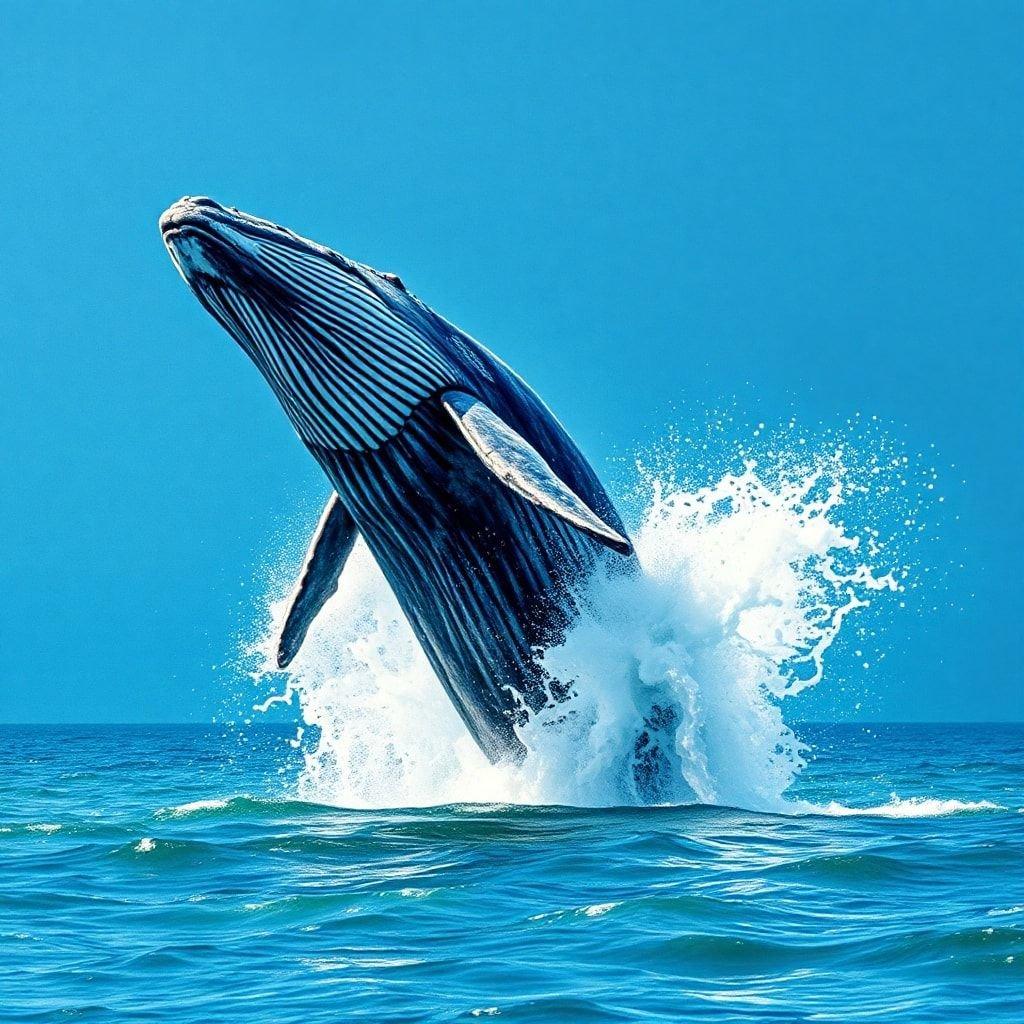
[816,207]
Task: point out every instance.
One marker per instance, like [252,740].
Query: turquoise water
[164,874]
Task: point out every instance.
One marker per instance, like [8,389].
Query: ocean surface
[172,874]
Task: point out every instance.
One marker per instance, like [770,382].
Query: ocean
[171,873]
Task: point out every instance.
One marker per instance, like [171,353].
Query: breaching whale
[483,515]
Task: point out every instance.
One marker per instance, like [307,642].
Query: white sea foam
[746,583]
[598,909]
[902,807]
[191,808]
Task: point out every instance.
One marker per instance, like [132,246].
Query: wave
[250,807]
[242,806]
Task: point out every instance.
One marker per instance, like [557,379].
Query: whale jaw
[348,352]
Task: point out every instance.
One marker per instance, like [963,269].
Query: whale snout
[207,239]
[194,231]
[187,210]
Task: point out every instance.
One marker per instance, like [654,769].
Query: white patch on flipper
[519,466]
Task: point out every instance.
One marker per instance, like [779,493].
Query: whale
[482,513]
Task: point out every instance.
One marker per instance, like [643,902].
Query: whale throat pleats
[506,456]
[520,467]
[328,551]
[339,351]
[484,577]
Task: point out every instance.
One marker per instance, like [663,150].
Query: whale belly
[483,576]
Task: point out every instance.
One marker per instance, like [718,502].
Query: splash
[748,581]
[746,584]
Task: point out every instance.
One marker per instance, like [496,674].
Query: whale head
[346,349]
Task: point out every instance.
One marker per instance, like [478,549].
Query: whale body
[482,513]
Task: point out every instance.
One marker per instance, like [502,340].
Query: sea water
[171,874]
[365,862]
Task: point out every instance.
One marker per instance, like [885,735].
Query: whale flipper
[328,550]
[518,465]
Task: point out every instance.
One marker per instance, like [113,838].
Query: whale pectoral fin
[518,465]
[328,550]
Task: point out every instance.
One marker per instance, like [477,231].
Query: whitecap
[903,807]
[191,808]
[598,909]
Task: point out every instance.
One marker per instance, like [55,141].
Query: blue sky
[648,210]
